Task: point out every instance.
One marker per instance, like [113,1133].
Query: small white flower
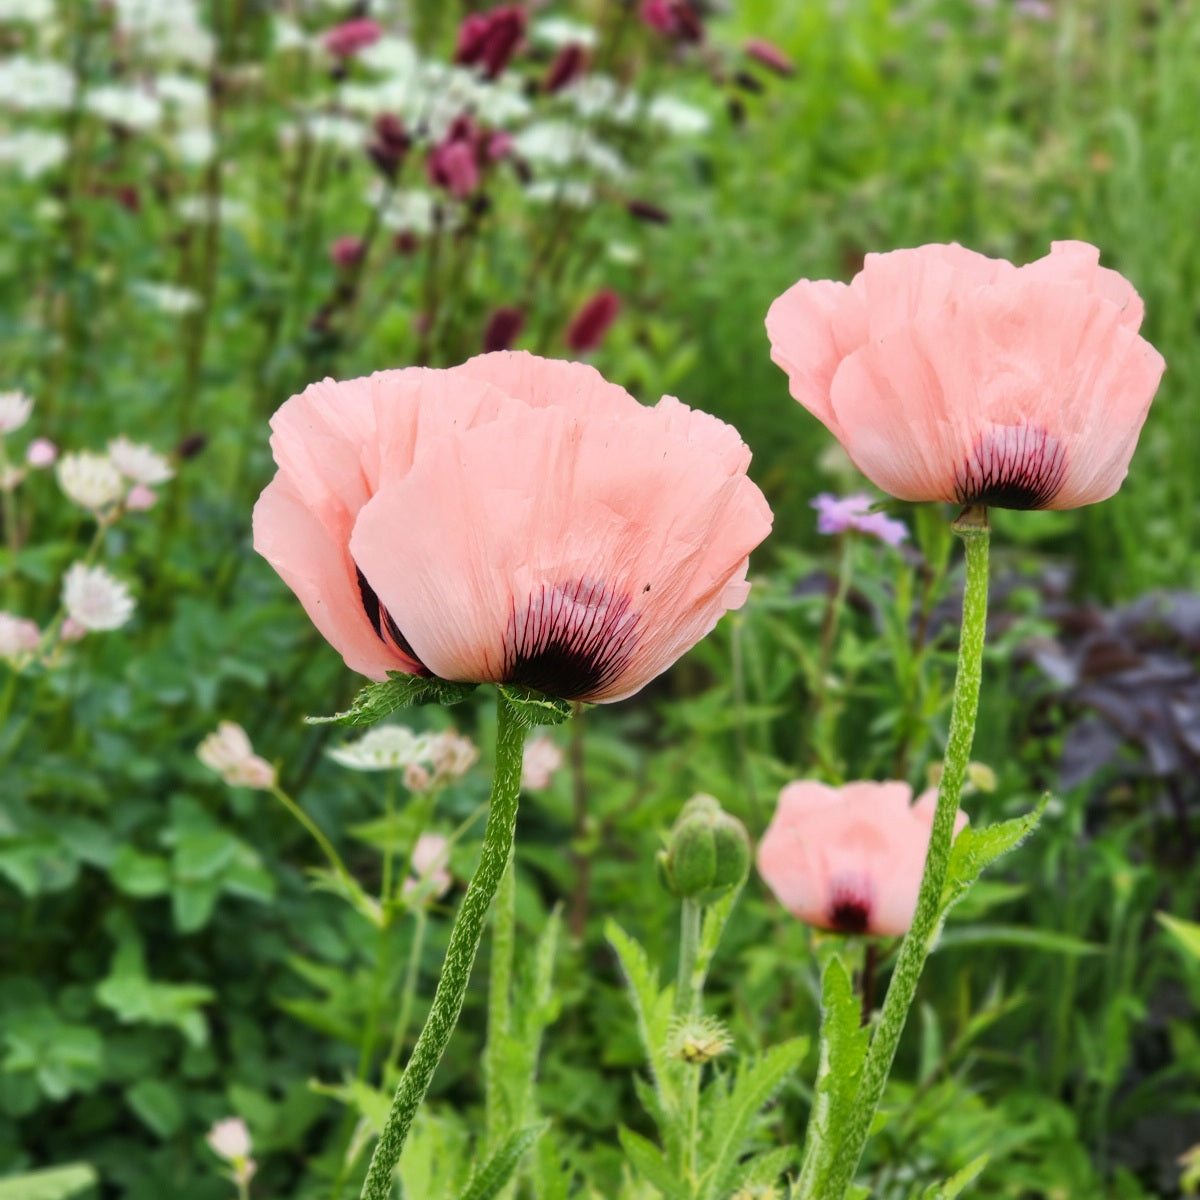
[35,85]
[138,462]
[175,301]
[451,755]
[560,31]
[384,748]
[228,752]
[572,192]
[32,152]
[19,638]
[287,35]
[195,208]
[183,93]
[390,56]
[229,1139]
[126,107]
[540,760]
[342,132]
[195,146]
[409,211]
[596,95]
[90,480]
[96,599]
[15,408]
[677,116]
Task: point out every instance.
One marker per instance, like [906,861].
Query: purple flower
[838,514]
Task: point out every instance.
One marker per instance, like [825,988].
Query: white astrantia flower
[384,748]
[228,752]
[407,211]
[596,95]
[139,462]
[452,755]
[677,117]
[90,480]
[195,208]
[126,107]
[287,35]
[571,192]
[430,876]
[35,85]
[35,12]
[560,31]
[167,298]
[540,758]
[390,56]
[95,598]
[166,30]
[195,146]
[184,94]
[19,638]
[562,144]
[342,132]
[229,1139]
[32,152]
[15,408]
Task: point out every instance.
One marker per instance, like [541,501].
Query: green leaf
[192,903]
[379,700]
[158,1105]
[729,1121]
[959,1180]
[201,856]
[534,708]
[843,1047]
[138,1000]
[1018,935]
[138,874]
[976,849]
[651,1006]
[648,1161]
[54,1183]
[487,1182]
[1185,933]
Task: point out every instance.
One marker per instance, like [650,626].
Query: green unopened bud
[708,853]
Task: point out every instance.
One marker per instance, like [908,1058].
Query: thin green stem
[972,527]
[460,954]
[686,996]
[504,928]
[318,835]
[409,990]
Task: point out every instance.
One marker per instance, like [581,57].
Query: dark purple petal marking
[1012,466]
[849,905]
[570,640]
[381,620]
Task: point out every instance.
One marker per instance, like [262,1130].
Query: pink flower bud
[140,498]
[346,251]
[348,38]
[41,452]
[770,56]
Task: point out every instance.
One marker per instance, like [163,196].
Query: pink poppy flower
[849,859]
[951,376]
[515,519]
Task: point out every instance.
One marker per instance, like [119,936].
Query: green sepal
[379,700]
[533,708]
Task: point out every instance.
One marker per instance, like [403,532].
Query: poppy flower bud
[708,853]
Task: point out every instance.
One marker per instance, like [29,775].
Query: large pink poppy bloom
[515,519]
[948,375]
[851,858]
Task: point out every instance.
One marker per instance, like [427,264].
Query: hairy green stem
[972,527]
[504,929]
[460,954]
[686,997]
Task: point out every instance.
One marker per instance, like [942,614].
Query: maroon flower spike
[454,162]
[348,38]
[503,328]
[591,323]
[770,56]
[675,19]
[568,65]
[346,251]
[645,211]
[490,39]
[389,144]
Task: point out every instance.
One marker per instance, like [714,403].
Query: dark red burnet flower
[770,56]
[390,142]
[348,38]
[569,63]
[592,322]
[675,19]
[458,161]
[503,328]
[489,40]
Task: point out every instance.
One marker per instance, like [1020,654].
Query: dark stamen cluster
[849,909]
[570,640]
[1012,466]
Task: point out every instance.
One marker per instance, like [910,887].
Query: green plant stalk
[460,954]
[972,527]
[687,998]
[499,1003]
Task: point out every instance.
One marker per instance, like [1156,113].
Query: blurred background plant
[210,204]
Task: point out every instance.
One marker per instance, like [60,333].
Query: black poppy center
[1012,466]
[850,905]
[382,622]
[570,640]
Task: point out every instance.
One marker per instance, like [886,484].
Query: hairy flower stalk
[972,527]
[460,954]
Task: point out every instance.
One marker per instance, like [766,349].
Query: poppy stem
[460,953]
[972,526]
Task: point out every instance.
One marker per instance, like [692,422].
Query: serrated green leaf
[764,1169]
[647,1159]
[753,1086]
[1185,933]
[379,700]
[843,1047]
[955,1184]
[533,708]
[976,849]
[651,1006]
[54,1183]
[487,1182]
